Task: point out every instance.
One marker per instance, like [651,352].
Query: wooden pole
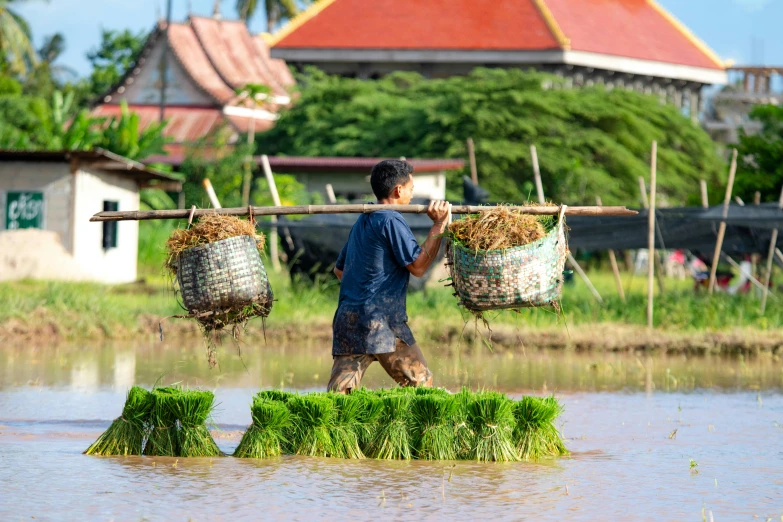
[705,201]
[722,229]
[537,175]
[273,235]
[770,257]
[330,197]
[210,194]
[651,234]
[542,200]
[472,157]
[143,215]
[613,261]
[646,203]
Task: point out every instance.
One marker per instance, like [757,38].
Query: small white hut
[57,193]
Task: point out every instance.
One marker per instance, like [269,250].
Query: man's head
[393,180]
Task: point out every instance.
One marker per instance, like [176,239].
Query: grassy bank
[40,311]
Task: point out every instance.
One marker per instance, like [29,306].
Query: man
[374,267]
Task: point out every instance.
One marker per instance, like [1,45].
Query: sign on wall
[24,210]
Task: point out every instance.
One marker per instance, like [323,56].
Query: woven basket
[520,277]
[225,274]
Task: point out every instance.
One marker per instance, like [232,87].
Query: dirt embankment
[42,327]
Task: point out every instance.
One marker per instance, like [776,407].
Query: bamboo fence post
[770,257]
[655,253]
[542,200]
[273,234]
[613,261]
[722,229]
[705,201]
[537,174]
[247,180]
[472,157]
[651,234]
[211,193]
[330,197]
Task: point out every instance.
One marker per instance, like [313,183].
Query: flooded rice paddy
[653,438]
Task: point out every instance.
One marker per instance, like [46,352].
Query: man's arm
[439,212]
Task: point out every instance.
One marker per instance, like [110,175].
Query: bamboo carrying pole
[542,200]
[770,257]
[472,157]
[722,229]
[651,234]
[143,215]
[613,261]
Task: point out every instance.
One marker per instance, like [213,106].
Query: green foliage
[590,141]
[123,135]
[276,10]
[17,54]
[112,58]
[761,156]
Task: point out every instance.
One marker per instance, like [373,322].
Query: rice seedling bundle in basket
[219,272]
[502,259]
[403,423]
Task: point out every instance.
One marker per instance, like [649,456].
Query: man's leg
[347,372]
[406,365]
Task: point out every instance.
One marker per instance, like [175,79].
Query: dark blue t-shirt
[371,313]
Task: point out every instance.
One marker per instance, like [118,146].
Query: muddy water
[633,425]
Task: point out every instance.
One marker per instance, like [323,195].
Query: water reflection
[307,367]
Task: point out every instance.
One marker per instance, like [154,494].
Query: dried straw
[498,229]
[208,229]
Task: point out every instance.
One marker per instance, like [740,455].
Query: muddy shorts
[405,364]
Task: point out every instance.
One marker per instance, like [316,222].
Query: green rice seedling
[463,434]
[392,437]
[347,425]
[265,438]
[126,434]
[275,395]
[491,418]
[535,434]
[433,418]
[422,390]
[191,409]
[312,421]
[367,421]
[162,439]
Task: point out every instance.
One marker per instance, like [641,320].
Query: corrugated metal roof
[186,124]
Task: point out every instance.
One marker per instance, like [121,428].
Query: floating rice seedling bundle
[433,429]
[503,259]
[265,436]
[219,274]
[191,409]
[463,434]
[392,437]
[367,421]
[275,395]
[126,434]
[163,430]
[312,421]
[348,425]
[491,418]
[535,433]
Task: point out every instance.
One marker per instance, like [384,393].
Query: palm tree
[16,47]
[276,10]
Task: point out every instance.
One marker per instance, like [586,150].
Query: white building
[59,192]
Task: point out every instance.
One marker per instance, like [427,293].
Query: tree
[590,141]
[16,48]
[276,11]
[116,53]
[761,156]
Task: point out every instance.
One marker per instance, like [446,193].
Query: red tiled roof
[629,28]
[637,29]
[424,24]
[234,53]
[190,54]
[186,124]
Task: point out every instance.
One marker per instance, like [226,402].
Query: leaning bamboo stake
[770,257]
[758,284]
[613,261]
[361,208]
[273,234]
[705,202]
[210,194]
[651,234]
[472,157]
[722,229]
[542,200]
